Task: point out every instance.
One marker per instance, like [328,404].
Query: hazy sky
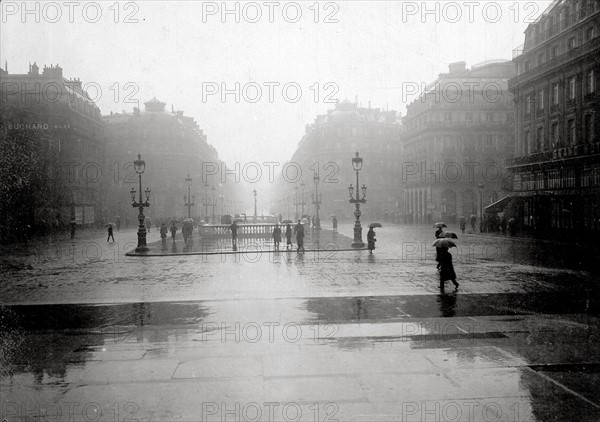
[177,51]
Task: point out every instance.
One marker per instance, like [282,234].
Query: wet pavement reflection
[359,337]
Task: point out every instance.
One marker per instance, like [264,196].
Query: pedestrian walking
[163,235]
[73,224]
[371,239]
[463,224]
[299,232]
[277,236]
[118,223]
[233,229]
[173,231]
[288,236]
[446,269]
[110,233]
[334,221]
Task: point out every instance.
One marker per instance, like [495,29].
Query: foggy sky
[170,52]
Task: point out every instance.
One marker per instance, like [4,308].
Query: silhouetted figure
[110,233]
[277,236]
[288,236]
[334,221]
[446,269]
[163,235]
[173,231]
[371,239]
[299,232]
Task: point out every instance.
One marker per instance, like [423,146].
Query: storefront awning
[499,206]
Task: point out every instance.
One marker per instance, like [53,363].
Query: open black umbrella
[444,243]
[440,224]
[450,235]
[375,225]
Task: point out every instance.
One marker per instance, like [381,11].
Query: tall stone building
[61,112]
[556,167]
[457,136]
[328,146]
[173,146]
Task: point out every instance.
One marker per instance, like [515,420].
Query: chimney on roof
[52,71]
[34,69]
[457,67]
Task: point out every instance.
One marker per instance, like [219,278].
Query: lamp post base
[357,243]
[141,247]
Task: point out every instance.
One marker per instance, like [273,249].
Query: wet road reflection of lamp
[481,186]
[255,213]
[296,203]
[140,165]
[189,200]
[357,163]
[317,199]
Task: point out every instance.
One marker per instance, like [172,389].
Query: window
[591,83]
[555,134]
[571,43]
[525,148]
[540,100]
[555,94]
[541,59]
[571,131]
[588,127]
[589,33]
[539,142]
[489,117]
[572,86]
[448,117]
[554,51]
[527,66]
[528,104]
[489,141]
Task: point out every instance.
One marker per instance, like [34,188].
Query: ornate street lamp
[481,186]
[296,203]
[303,202]
[357,163]
[317,199]
[139,166]
[189,203]
[206,203]
[255,213]
[213,203]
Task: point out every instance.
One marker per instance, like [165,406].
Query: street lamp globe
[188,181]
[357,162]
[139,165]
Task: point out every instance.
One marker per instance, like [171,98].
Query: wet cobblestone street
[90,334]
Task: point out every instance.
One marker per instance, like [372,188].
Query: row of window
[555,88]
[541,142]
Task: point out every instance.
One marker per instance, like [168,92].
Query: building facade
[327,149]
[62,113]
[556,167]
[456,138]
[173,147]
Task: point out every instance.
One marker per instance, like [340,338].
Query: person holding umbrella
[163,235]
[445,262]
[371,236]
